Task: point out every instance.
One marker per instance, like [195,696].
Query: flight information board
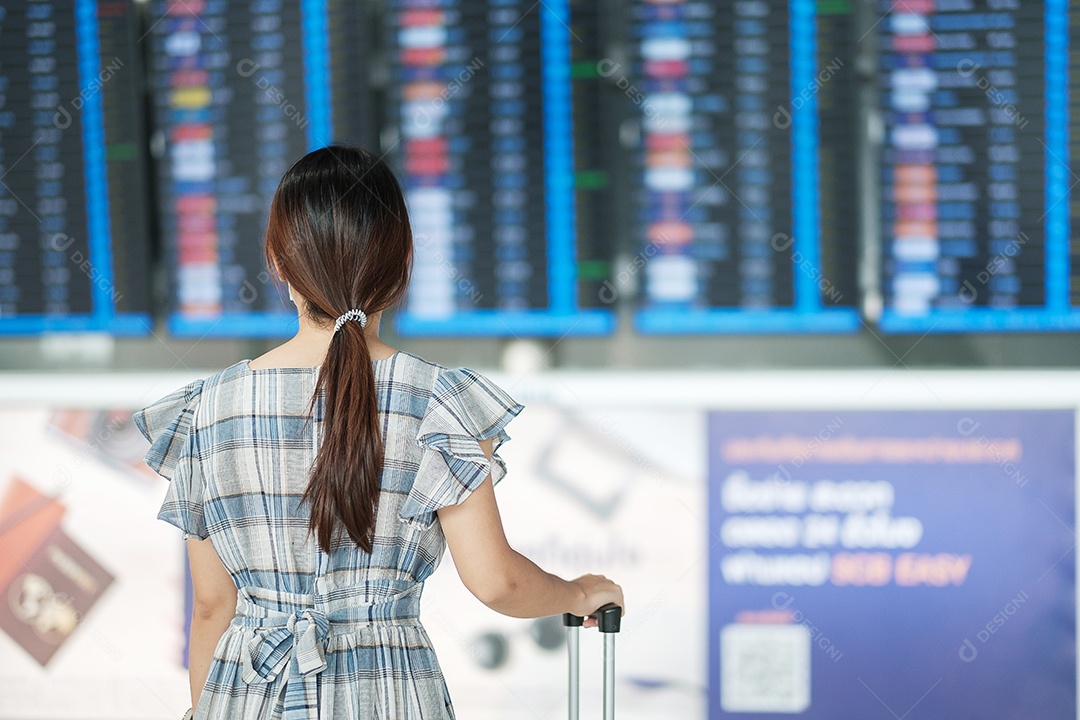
[976,176]
[74,231]
[500,178]
[241,91]
[745,111]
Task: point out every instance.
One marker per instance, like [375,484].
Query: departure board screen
[241,91]
[74,231]
[500,177]
[745,111]
[976,175]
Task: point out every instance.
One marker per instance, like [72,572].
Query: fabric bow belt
[292,643]
[277,640]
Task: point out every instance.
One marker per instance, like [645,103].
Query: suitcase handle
[609,622]
[608,619]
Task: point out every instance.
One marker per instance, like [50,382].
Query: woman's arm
[213,610]
[502,578]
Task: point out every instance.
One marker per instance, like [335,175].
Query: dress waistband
[260,607]
[291,636]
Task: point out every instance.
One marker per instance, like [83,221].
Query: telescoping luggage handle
[609,621]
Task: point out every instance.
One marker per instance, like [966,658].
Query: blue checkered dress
[332,636]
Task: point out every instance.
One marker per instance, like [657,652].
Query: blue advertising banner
[892,564]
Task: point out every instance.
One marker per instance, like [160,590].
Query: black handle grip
[608,619]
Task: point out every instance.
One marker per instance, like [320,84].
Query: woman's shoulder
[230,376]
[444,379]
[183,402]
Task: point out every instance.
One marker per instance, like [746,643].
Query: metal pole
[573,644]
[609,676]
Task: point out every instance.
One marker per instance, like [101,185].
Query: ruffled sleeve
[169,425]
[465,407]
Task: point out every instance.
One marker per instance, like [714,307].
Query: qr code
[764,668]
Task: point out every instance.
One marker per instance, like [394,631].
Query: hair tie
[358,315]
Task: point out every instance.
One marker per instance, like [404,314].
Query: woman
[318,485]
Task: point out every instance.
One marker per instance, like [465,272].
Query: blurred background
[787,288]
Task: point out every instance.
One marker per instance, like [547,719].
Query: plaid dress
[332,636]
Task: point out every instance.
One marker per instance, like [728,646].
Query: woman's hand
[596,591]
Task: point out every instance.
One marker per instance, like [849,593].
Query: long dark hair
[339,234]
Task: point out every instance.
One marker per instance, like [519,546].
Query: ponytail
[344,484]
[343,244]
